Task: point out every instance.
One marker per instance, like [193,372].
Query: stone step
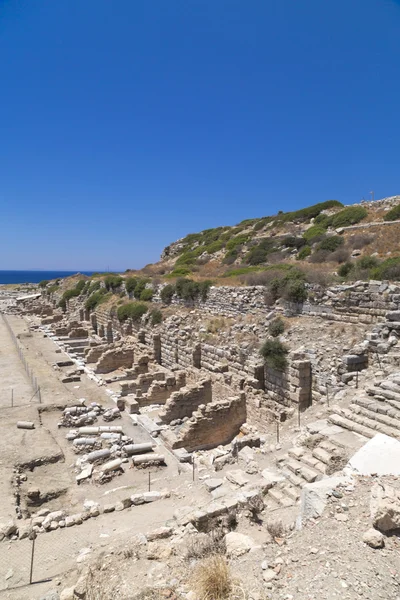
[296,452]
[393,424]
[292,492]
[378,406]
[379,391]
[293,478]
[279,497]
[310,461]
[369,423]
[322,455]
[391,385]
[307,473]
[346,423]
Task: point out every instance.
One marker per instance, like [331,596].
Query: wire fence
[28,369]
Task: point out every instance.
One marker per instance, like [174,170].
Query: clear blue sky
[126,124]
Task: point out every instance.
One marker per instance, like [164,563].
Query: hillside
[288,254]
[327,234]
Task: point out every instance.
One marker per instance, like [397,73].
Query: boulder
[238,544]
[385,507]
[212,484]
[7,528]
[314,496]
[374,538]
[67,594]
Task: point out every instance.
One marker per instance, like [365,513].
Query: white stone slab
[380,456]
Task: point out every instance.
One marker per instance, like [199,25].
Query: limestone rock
[156,551]
[238,544]
[7,528]
[385,507]
[269,575]
[374,538]
[212,484]
[80,588]
[67,594]
[237,477]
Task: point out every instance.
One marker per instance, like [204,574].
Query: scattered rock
[385,507]
[238,544]
[374,538]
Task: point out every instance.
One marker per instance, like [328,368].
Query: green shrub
[367,262]
[284,284]
[293,242]
[345,269]
[63,304]
[348,216]
[392,215]
[314,232]
[191,239]
[388,269]
[331,243]
[112,282]
[276,327]
[130,284]
[140,286]
[167,293]
[236,241]
[304,253]
[256,255]
[230,257]
[68,294]
[179,272]
[274,354]
[295,291]
[259,252]
[186,289]
[44,283]
[305,214]
[80,286]
[146,295]
[262,223]
[214,247]
[204,286]
[187,258]
[53,288]
[94,286]
[131,310]
[95,299]
[156,316]
[322,220]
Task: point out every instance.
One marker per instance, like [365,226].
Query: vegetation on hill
[283,253]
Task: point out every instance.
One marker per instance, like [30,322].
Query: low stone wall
[183,403]
[116,358]
[212,424]
[142,383]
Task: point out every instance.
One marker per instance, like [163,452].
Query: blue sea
[36,276]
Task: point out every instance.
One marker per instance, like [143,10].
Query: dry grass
[337,463]
[207,544]
[217,324]
[276,528]
[212,579]
[312,441]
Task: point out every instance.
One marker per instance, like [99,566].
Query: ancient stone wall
[291,386]
[116,358]
[184,402]
[212,424]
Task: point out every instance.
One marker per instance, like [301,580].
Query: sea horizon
[20,276]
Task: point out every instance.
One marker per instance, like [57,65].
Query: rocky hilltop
[327,233]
